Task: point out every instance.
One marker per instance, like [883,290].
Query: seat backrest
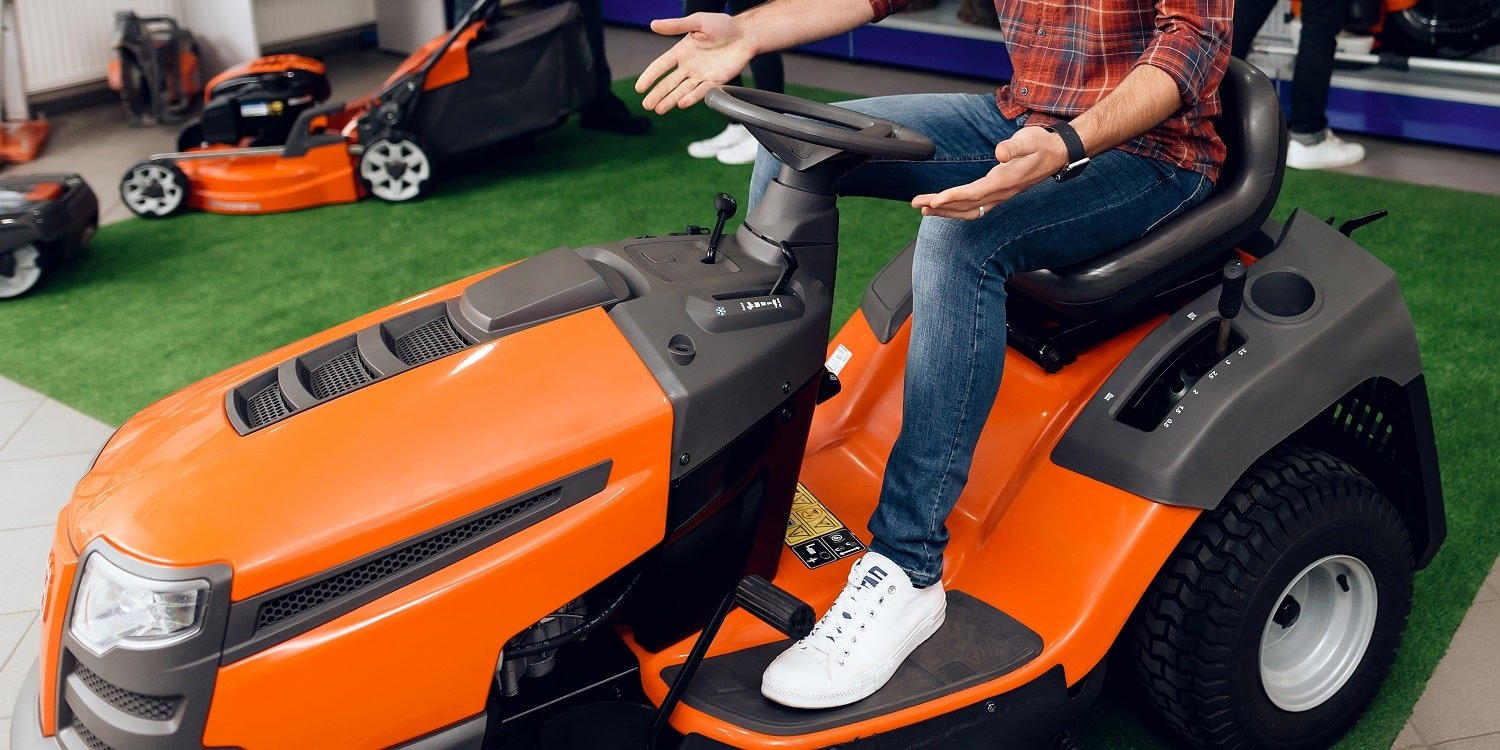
[1253,129]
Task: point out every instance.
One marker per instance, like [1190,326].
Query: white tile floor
[46,446]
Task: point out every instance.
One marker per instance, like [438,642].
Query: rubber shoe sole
[868,684]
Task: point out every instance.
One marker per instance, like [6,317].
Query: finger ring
[981,212]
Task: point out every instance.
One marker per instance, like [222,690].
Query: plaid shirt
[1068,54]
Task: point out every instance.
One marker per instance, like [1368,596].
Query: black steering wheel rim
[820,124]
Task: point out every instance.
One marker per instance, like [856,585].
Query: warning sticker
[816,535]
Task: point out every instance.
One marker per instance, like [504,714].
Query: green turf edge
[158,305]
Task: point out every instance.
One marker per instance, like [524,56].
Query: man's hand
[717,47]
[1026,158]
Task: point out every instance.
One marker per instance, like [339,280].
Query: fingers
[675,98]
[696,95]
[660,99]
[655,70]
[968,214]
[676,26]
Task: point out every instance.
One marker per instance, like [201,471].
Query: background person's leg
[607,111]
[1249,16]
[1313,145]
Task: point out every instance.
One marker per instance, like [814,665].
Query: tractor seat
[1196,243]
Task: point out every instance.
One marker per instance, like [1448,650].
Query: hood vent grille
[346,365]
[133,703]
[431,340]
[354,580]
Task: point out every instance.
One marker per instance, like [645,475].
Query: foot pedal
[775,607]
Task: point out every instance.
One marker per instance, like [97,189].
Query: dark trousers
[766,68]
[1321,20]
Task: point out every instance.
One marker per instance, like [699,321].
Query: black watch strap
[1078,158]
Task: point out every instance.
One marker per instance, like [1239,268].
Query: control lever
[1231,298]
[726,206]
[790,259]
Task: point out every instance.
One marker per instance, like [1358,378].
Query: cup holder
[1283,295]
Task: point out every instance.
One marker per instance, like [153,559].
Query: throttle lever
[1231,298]
[725,206]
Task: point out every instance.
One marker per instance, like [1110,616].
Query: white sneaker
[740,153]
[878,620]
[1328,153]
[730,136]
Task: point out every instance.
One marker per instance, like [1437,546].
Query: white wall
[278,21]
[66,42]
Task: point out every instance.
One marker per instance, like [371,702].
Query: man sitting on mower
[1115,102]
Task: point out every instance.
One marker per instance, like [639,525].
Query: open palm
[714,50]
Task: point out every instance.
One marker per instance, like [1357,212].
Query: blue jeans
[958,335]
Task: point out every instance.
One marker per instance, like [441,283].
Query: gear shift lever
[1231,298]
[726,206]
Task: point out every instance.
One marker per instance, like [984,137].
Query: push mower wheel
[1278,616]
[396,168]
[155,189]
[21,270]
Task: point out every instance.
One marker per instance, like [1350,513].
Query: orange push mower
[489,80]
[583,500]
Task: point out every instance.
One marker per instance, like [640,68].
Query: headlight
[115,607]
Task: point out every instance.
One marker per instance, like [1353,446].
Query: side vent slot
[333,370]
[423,336]
[257,403]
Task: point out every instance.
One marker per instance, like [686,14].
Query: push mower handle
[820,124]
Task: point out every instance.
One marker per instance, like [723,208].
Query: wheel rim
[395,170]
[20,271]
[152,189]
[1317,633]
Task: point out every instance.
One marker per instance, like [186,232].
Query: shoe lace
[838,631]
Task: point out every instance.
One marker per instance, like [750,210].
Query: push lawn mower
[45,219]
[491,79]
[156,68]
[257,103]
[580,501]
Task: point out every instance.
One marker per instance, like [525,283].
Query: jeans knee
[766,168]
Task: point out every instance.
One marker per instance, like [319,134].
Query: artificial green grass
[159,304]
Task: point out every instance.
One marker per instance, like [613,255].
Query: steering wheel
[820,124]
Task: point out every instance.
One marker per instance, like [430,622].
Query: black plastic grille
[133,703]
[341,374]
[322,592]
[433,339]
[265,407]
[89,740]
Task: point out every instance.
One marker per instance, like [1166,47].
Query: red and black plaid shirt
[1068,54]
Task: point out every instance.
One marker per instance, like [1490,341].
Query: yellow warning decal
[815,534]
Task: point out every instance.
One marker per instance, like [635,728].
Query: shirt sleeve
[1191,44]
[884,8]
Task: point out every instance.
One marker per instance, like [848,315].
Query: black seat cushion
[1193,244]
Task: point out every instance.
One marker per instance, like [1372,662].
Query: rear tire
[1302,539]
[22,270]
[396,168]
[155,189]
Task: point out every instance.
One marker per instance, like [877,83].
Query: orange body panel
[62,567]
[22,140]
[1064,554]
[45,191]
[452,68]
[272,183]
[189,81]
[115,75]
[268,64]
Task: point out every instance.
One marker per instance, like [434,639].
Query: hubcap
[395,170]
[20,270]
[152,189]
[1316,635]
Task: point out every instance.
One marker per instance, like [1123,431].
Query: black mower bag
[527,73]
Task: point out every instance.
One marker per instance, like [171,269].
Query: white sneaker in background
[740,153]
[878,620]
[1329,153]
[709,148]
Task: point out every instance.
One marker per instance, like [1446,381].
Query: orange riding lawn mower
[262,146]
[582,501]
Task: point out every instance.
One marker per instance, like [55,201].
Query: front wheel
[396,169]
[21,270]
[154,189]
[1277,618]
